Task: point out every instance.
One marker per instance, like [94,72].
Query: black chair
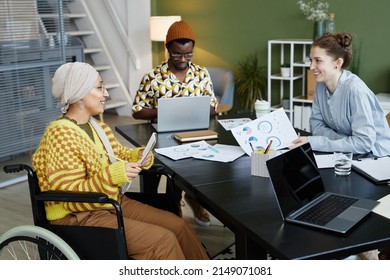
[93,243]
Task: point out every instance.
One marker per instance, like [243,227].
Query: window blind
[33,44]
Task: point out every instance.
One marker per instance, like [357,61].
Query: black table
[248,207]
[246,204]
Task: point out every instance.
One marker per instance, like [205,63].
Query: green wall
[229,30]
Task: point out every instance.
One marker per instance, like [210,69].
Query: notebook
[375,169]
[299,191]
[195,135]
[184,113]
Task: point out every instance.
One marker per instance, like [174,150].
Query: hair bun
[344,39]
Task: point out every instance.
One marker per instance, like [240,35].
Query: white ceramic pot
[286,104]
[262,108]
[285,71]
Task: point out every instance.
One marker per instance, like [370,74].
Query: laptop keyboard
[327,209]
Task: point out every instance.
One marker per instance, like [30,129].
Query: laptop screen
[183,113]
[295,178]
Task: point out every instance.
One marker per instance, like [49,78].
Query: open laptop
[183,113]
[300,192]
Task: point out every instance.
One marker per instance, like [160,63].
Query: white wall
[134,17]
[139,30]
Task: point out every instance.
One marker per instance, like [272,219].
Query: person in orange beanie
[176,77]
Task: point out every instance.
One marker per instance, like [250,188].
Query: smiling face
[95,100]
[325,68]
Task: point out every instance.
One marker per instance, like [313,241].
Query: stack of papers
[229,124]
[202,150]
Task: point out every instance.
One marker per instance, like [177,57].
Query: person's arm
[212,111]
[209,90]
[126,153]
[353,119]
[144,102]
[146,114]
[318,122]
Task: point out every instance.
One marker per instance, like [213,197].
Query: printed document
[257,134]
[202,150]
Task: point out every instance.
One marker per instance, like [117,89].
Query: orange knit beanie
[179,30]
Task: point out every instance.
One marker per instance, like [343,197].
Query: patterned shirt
[162,83]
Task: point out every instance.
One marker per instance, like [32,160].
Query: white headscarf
[72,82]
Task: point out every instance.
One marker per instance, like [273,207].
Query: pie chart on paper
[265,127]
[247,130]
[252,138]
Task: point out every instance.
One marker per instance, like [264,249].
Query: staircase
[80,23]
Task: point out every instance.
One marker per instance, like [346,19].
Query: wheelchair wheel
[30,242]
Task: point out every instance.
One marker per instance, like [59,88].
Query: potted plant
[285,70]
[286,103]
[251,81]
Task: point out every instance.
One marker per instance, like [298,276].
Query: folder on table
[375,169]
[298,116]
[196,135]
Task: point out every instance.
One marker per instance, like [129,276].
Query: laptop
[183,113]
[302,198]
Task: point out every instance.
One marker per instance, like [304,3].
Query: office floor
[15,204]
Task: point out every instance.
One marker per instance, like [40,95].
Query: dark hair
[337,46]
[180,41]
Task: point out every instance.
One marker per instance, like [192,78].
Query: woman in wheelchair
[78,153]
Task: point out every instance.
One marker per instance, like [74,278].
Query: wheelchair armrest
[72,197]
[86,197]
[168,200]
[157,169]
[63,196]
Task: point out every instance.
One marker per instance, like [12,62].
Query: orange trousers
[151,233]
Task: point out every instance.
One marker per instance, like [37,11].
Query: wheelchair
[45,241]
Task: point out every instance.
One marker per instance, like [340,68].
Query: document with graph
[202,150]
[257,134]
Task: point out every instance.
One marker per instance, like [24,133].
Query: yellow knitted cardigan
[68,160]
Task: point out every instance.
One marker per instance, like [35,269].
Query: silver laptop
[302,198]
[183,113]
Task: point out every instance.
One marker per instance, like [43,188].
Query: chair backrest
[223,82]
[38,207]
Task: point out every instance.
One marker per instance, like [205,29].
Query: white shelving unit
[295,53]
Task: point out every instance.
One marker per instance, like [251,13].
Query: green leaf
[251,81]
